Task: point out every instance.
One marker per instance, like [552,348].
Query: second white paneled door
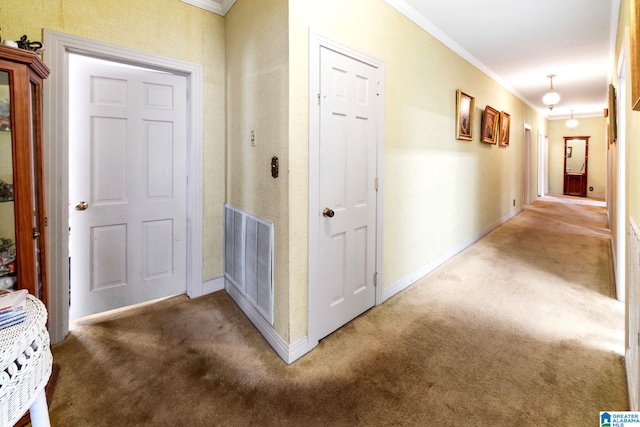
[347,197]
[127,185]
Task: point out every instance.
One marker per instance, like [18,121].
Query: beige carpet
[521,329]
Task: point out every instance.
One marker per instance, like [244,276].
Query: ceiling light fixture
[572,123]
[551,98]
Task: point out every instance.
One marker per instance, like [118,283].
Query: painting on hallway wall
[490,120]
[465,109]
[505,127]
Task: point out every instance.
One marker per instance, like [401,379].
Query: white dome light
[551,98]
[572,123]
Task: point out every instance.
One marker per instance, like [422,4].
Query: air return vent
[248,249]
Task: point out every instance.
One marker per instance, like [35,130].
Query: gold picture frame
[490,122]
[612,120]
[505,129]
[465,112]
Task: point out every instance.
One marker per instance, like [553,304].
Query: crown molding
[220,7]
[419,19]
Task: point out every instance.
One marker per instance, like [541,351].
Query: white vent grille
[249,258]
[634,300]
[233,247]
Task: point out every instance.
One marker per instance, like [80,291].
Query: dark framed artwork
[465,111]
[490,119]
[505,128]
[569,152]
[613,128]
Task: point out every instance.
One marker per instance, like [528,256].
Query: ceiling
[520,42]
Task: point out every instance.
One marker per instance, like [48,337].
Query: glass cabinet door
[8,270]
[22,218]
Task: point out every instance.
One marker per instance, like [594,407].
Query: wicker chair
[25,367]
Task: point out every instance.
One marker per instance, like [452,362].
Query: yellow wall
[630,130]
[593,127]
[437,191]
[632,123]
[166,27]
[257,99]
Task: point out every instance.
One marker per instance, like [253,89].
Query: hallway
[521,328]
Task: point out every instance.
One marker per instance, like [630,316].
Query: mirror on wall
[576,156]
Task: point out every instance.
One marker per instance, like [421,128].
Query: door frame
[526,163]
[316,42]
[622,207]
[542,162]
[56,153]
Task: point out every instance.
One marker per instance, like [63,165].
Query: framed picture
[490,119]
[613,129]
[569,151]
[634,32]
[465,111]
[505,127]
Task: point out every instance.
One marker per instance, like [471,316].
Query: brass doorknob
[328,213]
[82,206]
[36,233]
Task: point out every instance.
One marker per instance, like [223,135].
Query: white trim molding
[288,352]
[220,7]
[56,155]
[422,22]
[418,274]
[212,286]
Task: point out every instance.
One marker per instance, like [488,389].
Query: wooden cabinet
[575,184]
[576,165]
[22,218]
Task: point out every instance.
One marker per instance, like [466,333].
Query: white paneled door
[347,191]
[127,185]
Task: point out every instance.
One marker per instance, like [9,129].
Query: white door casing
[545,172]
[55,138]
[542,160]
[527,165]
[345,161]
[127,140]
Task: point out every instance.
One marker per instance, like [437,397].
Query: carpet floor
[520,329]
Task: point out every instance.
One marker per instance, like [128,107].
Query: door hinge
[638,339]
[375,279]
[318,100]
[378,90]
[46,221]
[375,183]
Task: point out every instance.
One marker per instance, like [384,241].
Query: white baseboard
[414,276]
[632,384]
[212,286]
[292,352]
[288,352]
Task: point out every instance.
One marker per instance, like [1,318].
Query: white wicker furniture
[25,367]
